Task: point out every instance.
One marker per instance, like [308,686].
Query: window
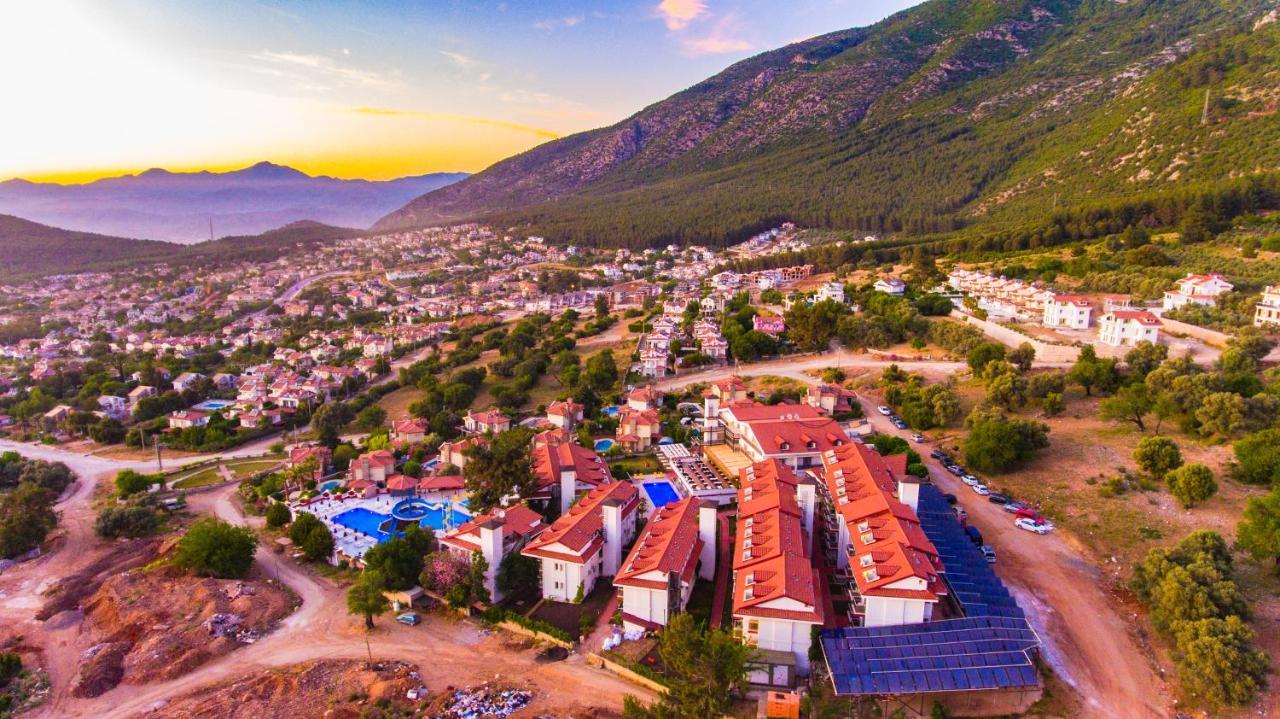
[753,626]
[870,575]
[868,538]
[749,593]
[866,560]
[750,579]
[864,526]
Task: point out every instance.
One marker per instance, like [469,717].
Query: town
[582,446]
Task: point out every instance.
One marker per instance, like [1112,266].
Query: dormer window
[748,593]
[843,500]
[868,538]
[840,482]
[864,526]
[750,521]
[866,560]
[840,491]
[746,544]
[870,575]
[750,579]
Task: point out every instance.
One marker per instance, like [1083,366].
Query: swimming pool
[213,405]
[661,493]
[611,411]
[439,517]
[603,445]
[330,485]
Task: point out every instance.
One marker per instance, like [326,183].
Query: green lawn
[211,475]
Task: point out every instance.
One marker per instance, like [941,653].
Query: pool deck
[353,543]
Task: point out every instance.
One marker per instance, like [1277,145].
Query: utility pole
[159,463]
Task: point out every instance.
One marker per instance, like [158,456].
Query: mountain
[33,250]
[189,207]
[949,115]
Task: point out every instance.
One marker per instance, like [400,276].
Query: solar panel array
[970,577]
[991,647]
[968,654]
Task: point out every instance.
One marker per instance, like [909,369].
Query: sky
[356,88]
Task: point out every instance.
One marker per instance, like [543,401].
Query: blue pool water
[611,410]
[330,485]
[370,522]
[603,445]
[661,493]
[213,405]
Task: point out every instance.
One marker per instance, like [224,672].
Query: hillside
[188,207]
[33,250]
[30,248]
[953,114]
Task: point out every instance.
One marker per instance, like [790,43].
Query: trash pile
[618,636]
[483,702]
[221,625]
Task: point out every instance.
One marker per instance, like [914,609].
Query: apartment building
[1125,328]
[1268,309]
[585,543]
[1071,311]
[676,548]
[1197,290]
[495,536]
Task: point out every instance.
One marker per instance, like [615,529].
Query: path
[1087,641]
[724,564]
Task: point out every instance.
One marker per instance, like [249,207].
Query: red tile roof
[442,483]
[518,523]
[670,543]
[552,455]
[401,482]
[581,529]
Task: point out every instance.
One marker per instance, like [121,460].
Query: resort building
[1268,310]
[1197,290]
[453,454]
[831,398]
[874,538]
[585,543]
[677,547]
[442,488]
[373,466]
[798,434]
[1072,311]
[495,536]
[564,468]
[638,429]
[1125,328]
[776,597]
[411,430]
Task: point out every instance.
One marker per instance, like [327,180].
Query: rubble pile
[484,702]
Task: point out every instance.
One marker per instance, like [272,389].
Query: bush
[129,482]
[115,522]
[1157,456]
[318,544]
[1257,458]
[1191,484]
[997,443]
[982,355]
[212,547]
[278,515]
[302,526]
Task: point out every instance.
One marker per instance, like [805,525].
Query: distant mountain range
[949,115]
[33,250]
[184,207]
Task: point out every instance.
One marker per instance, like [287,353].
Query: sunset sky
[373,89]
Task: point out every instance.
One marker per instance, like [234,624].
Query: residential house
[642,398]
[677,546]
[490,421]
[772,326]
[565,414]
[495,535]
[831,399]
[323,457]
[1268,309]
[585,543]
[891,286]
[114,406]
[453,454]
[1125,328]
[1073,311]
[830,291]
[1198,290]
[638,430]
[373,466]
[186,381]
[187,418]
[410,430]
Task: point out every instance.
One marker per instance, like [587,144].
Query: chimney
[568,489]
[909,491]
[707,522]
[612,519]
[491,549]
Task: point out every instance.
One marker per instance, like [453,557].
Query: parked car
[1013,507]
[884,410]
[998,498]
[989,553]
[940,456]
[1032,526]
[981,490]
[970,480]
[410,618]
[1028,513]
[956,469]
[974,535]
[898,423]
[917,438]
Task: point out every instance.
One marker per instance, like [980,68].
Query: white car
[981,489]
[884,410]
[917,438]
[970,480]
[1032,526]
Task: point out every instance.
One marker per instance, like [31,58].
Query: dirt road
[1089,640]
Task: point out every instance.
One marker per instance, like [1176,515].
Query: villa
[1125,328]
[1268,309]
[490,421]
[1197,290]
[638,429]
[585,543]
[1073,311]
[495,536]
[677,547]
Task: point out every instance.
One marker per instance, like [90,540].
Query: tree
[129,482]
[26,518]
[1221,414]
[215,548]
[1053,404]
[705,669]
[318,544]
[277,515]
[517,572]
[1257,458]
[371,418]
[329,420]
[1157,456]
[997,443]
[982,355]
[499,468]
[1258,532]
[1144,358]
[601,371]
[1198,225]
[1191,484]
[1131,404]
[115,522]
[302,525]
[1005,387]
[365,598]
[1023,357]
[1090,372]
[1218,662]
[398,560]
[601,305]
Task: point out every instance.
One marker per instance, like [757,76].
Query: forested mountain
[31,250]
[189,206]
[953,114]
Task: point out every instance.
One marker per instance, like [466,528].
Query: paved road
[297,287]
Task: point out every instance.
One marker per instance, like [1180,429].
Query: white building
[891,286]
[830,291]
[1125,328]
[1073,311]
[585,543]
[677,547]
[495,535]
[1198,290]
[1268,310]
